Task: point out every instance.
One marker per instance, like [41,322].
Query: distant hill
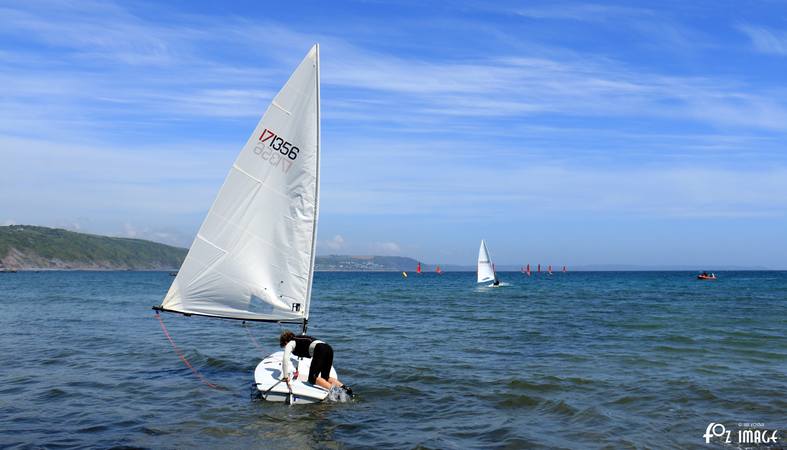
[347,263]
[32,247]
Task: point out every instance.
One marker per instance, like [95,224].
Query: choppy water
[573,360]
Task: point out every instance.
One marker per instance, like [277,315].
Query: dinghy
[486,270]
[253,257]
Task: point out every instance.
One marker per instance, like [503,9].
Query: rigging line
[253,339]
[183,358]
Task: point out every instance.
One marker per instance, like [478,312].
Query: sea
[571,360]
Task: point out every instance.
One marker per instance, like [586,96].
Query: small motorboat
[706,276]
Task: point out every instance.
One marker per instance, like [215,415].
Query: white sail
[253,257]
[485,270]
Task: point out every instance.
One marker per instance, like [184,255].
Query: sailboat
[486,270]
[253,257]
[438,270]
[418,269]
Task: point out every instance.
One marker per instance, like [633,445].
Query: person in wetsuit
[321,355]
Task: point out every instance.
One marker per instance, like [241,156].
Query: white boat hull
[267,377]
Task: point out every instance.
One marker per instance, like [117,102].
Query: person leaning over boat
[321,355]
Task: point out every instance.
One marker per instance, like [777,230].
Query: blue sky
[562,132]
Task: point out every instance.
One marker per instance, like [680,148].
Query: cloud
[386,248]
[129,230]
[766,40]
[334,244]
[529,87]
[103,77]
[112,189]
[164,236]
[470,186]
[133,120]
[581,12]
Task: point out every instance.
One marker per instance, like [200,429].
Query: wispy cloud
[581,12]
[766,40]
[528,87]
[504,185]
[144,71]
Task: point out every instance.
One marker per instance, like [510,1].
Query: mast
[316,192]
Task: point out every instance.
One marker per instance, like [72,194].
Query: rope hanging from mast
[253,339]
[183,358]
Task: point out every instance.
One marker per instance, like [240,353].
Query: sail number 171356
[279,144]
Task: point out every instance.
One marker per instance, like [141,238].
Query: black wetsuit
[322,359]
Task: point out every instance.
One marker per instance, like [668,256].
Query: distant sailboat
[253,256]
[486,270]
[438,270]
[539,268]
[549,269]
[564,269]
[418,269]
[528,270]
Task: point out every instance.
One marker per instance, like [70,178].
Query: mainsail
[253,257]
[485,270]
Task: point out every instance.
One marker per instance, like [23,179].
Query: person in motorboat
[321,355]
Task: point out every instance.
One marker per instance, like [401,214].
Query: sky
[572,133]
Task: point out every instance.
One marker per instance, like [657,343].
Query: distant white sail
[485,270]
[253,257]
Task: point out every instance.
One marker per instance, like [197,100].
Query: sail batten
[253,256]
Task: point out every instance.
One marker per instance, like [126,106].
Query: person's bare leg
[335,382]
[320,381]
